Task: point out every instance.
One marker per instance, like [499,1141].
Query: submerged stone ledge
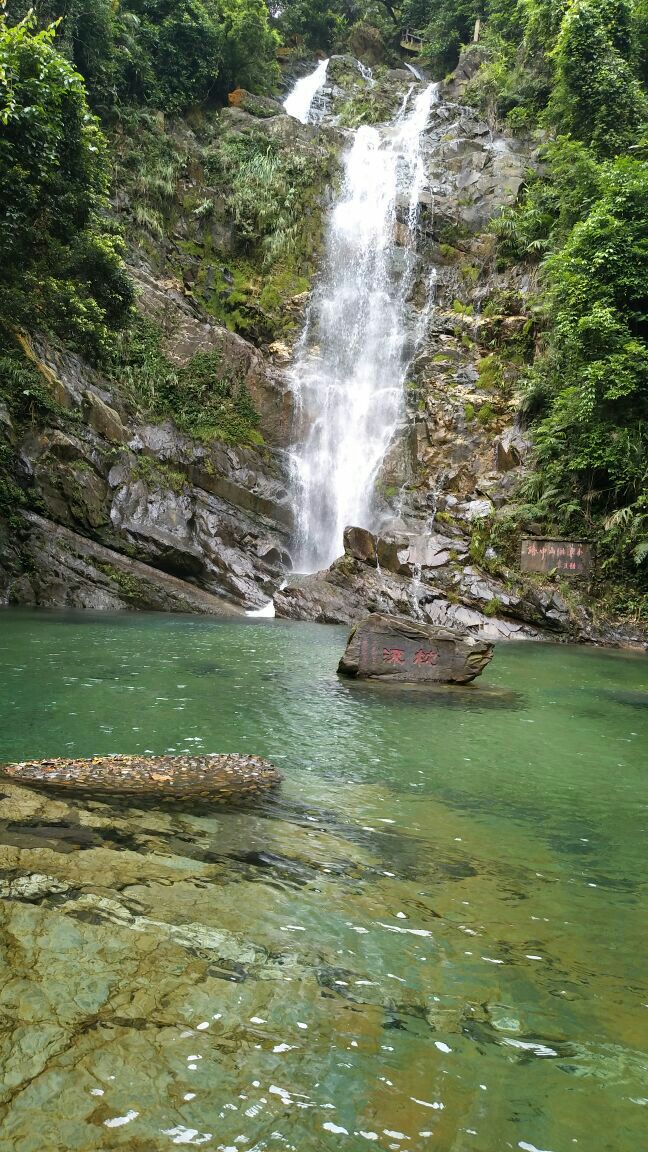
[214,777]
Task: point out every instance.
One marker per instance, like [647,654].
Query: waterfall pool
[432,936]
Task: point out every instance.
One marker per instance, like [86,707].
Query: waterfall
[351,361]
[415,72]
[299,102]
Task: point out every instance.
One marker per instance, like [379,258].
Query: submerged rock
[395,648]
[219,777]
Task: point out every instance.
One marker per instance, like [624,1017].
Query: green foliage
[491,374]
[166,54]
[373,105]
[60,265]
[551,204]
[317,26]
[250,47]
[591,444]
[12,497]
[149,163]
[273,197]
[493,607]
[575,68]
[266,198]
[132,589]
[445,25]
[22,387]
[597,96]
[158,475]
[486,415]
[202,397]
[176,53]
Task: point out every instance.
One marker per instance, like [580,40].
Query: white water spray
[415,72]
[351,362]
[300,101]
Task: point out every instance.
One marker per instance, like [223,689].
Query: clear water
[433,936]
[360,333]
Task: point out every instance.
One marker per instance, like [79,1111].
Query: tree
[591,444]
[598,97]
[167,54]
[250,46]
[318,25]
[60,265]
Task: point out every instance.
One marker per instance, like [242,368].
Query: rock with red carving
[394,648]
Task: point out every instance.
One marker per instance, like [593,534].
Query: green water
[434,936]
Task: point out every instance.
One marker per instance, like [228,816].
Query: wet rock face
[213,777]
[140,515]
[361,544]
[397,649]
[425,576]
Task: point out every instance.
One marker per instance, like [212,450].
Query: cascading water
[299,102]
[350,366]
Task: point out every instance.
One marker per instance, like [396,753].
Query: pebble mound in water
[214,777]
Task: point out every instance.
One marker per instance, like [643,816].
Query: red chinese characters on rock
[423,656]
[572,557]
[393,656]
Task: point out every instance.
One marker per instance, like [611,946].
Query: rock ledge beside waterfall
[429,578]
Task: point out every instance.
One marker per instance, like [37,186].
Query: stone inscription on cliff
[569,557]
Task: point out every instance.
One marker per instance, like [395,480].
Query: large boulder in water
[212,777]
[394,648]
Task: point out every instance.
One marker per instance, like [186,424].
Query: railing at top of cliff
[413,41]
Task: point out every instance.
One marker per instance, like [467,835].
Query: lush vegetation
[85,88]
[60,261]
[165,54]
[572,72]
[73,72]
[203,397]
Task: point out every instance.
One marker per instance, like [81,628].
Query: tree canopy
[166,54]
[59,260]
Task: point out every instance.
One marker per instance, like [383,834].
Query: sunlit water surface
[433,936]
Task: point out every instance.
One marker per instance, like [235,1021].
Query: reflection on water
[432,936]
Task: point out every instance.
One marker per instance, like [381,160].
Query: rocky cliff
[443,553]
[112,495]
[116,497]
[120,512]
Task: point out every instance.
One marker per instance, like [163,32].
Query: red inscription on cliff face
[393,656]
[423,656]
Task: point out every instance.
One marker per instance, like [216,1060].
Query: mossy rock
[213,777]
[260,106]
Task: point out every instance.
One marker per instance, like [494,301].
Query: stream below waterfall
[432,936]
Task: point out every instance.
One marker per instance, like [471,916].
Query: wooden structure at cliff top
[411,41]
